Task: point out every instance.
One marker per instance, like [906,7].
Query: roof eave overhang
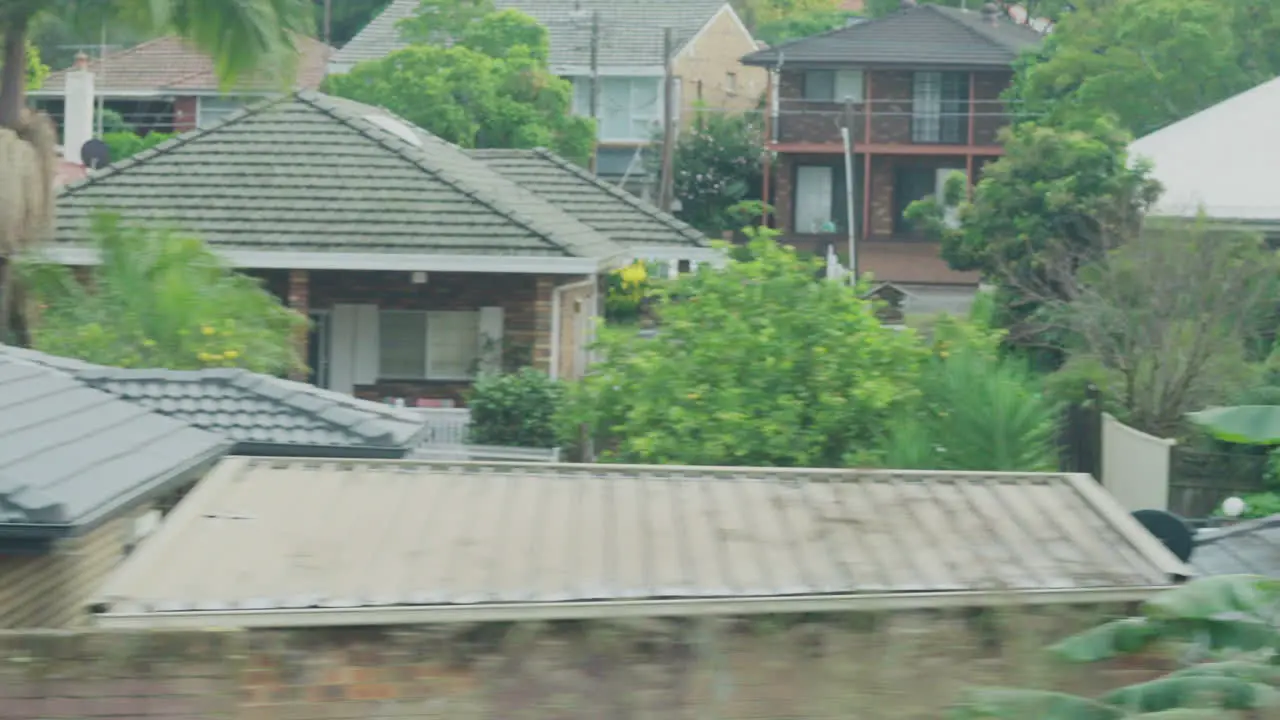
[619,609]
[406,262]
[810,64]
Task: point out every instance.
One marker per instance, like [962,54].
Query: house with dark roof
[418,264]
[167,86]
[81,471]
[919,94]
[708,37]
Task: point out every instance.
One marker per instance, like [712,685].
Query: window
[940,108]
[627,109]
[417,345]
[911,184]
[833,85]
[815,188]
[211,110]
[731,83]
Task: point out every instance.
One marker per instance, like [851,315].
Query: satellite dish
[1169,529]
[95,154]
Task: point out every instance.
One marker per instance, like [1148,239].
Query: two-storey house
[619,44]
[919,93]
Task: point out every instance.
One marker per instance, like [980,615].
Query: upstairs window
[833,85]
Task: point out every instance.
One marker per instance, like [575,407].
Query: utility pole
[846,134]
[666,187]
[594,103]
[328,22]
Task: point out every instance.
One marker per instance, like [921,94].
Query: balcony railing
[892,122]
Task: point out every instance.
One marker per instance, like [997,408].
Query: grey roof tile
[309,173]
[500,538]
[246,407]
[630,32]
[622,216]
[1251,548]
[71,455]
[924,36]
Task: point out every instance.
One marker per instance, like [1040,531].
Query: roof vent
[991,13]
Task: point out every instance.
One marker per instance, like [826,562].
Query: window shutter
[490,337]
[365,361]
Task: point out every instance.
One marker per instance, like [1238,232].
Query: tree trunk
[13,76]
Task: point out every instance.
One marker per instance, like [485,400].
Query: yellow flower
[204,357]
[634,274]
[231,354]
[208,330]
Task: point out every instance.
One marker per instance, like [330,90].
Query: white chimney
[77,119]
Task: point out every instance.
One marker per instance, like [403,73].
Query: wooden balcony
[890,126]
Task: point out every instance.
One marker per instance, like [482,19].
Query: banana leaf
[1243,424]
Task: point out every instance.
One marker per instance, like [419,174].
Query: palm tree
[240,35]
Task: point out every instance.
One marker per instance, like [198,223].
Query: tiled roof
[1219,159]
[258,412]
[1250,548]
[70,455]
[349,542]
[309,173]
[630,32]
[924,36]
[615,212]
[168,64]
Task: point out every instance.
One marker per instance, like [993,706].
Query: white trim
[168,95]
[268,260]
[584,71]
[666,252]
[737,20]
[611,609]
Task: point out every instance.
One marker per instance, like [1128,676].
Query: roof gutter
[617,609]
[261,449]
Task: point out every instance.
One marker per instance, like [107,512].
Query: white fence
[1135,466]
[448,425]
[447,440]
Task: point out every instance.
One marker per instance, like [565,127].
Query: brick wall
[872,667]
[711,71]
[185,114]
[989,112]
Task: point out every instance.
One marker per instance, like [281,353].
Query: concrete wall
[899,667]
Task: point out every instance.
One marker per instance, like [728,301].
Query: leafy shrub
[718,164]
[627,290]
[515,409]
[126,144]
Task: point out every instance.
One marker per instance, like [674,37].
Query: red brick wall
[185,114]
[990,114]
[890,106]
[899,667]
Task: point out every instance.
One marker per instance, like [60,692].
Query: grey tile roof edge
[770,56]
[494,201]
[1209,537]
[684,229]
[386,434]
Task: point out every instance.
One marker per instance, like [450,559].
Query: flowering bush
[718,163]
[628,288]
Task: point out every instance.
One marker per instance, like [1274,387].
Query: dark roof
[922,36]
[259,413]
[168,64]
[1251,548]
[617,213]
[71,456]
[310,173]
[630,31]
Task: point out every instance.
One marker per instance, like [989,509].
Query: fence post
[1083,441]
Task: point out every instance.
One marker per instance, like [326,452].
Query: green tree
[1057,200]
[1049,10]
[37,71]
[756,363]
[125,144]
[160,299]
[718,163]
[1148,62]
[1224,630]
[440,21]
[515,409]
[802,25]
[756,13]
[474,99]
[240,35]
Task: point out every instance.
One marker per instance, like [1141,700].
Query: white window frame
[640,125]
[427,369]
[799,197]
[230,105]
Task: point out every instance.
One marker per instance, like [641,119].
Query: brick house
[165,85]
[709,40]
[418,264]
[920,92]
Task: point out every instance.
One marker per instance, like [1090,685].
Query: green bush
[515,410]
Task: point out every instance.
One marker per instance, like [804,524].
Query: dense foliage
[515,409]
[802,25]
[124,144]
[1222,629]
[491,88]
[757,363]
[719,162]
[160,299]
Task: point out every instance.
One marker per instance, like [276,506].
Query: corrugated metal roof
[71,455]
[247,407]
[265,538]
[1251,548]
[1220,159]
[924,36]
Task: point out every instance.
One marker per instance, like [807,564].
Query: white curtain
[814,191]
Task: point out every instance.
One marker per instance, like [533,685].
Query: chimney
[77,118]
[991,13]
